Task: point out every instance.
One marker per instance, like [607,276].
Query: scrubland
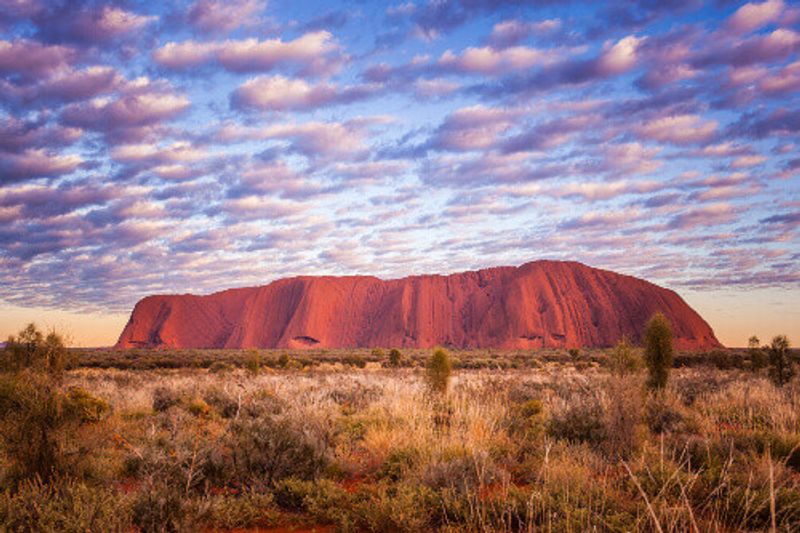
[559,443]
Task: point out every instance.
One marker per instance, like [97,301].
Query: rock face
[539,304]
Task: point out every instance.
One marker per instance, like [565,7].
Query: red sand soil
[539,304]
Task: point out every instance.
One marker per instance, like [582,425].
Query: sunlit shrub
[438,371]
[68,506]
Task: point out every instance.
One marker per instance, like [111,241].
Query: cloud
[513,32]
[489,61]
[216,16]
[314,52]
[128,115]
[753,16]
[615,59]
[27,59]
[679,129]
[705,216]
[471,128]
[36,163]
[91,24]
[17,135]
[278,93]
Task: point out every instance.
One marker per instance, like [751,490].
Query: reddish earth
[539,304]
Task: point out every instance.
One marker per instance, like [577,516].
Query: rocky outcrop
[539,304]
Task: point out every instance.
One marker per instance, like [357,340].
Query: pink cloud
[512,32]
[128,115]
[753,16]
[31,58]
[619,57]
[215,16]
[278,93]
[679,129]
[486,60]
[36,163]
[314,52]
[708,215]
[472,128]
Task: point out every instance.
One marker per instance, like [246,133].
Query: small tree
[438,371]
[623,360]
[781,369]
[658,351]
[32,349]
[758,358]
[395,357]
[38,422]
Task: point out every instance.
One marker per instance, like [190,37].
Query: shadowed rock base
[539,304]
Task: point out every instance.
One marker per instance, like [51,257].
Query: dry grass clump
[565,446]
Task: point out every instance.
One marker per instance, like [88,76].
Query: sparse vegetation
[538,442]
[658,351]
[438,369]
[781,367]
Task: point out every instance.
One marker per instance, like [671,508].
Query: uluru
[538,304]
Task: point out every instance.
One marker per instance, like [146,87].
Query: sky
[176,147]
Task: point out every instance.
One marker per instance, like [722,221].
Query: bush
[395,358]
[31,349]
[658,352]
[574,353]
[438,372]
[164,398]
[623,360]
[38,426]
[758,358]
[267,449]
[781,367]
[526,420]
[625,430]
[68,506]
[245,510]
[252,362]
[163,507]
[583,420]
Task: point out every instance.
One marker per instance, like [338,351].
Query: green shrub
[402,507]
[267,449]
[218,367]
[324,500]
[245,510]
[31,349]
[781,367]
[526,420]
[377,353]
[39,424]
[223,403]
[283,360]
[163,507]
[88,407]
[658,352]
[164,398]
[438,371]
[583,420]
[68,506]
[623,359]
[398,463]
[252,362]
[395,358]
[758,357]
[574,353]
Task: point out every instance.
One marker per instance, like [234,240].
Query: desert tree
[781,367]
[658,351]
[395,357]
[756,354]
[438,371]
[32,349]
